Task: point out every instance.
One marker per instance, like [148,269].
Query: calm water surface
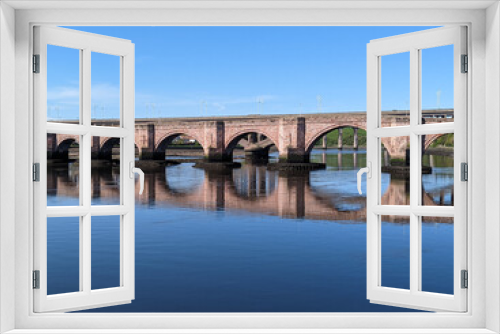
[251,240]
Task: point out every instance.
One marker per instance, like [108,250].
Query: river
[251,240]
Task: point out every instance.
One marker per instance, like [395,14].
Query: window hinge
[465,279]
[36,172]
[36,279]
[36,63]
[465,64]
[464,171]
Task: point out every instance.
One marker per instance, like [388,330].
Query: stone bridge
[294,136]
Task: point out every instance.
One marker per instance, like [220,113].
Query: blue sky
[212,71]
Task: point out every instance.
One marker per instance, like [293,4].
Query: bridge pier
[257,155]
[400,159]
[96,147]
[397,148]
[148,152]
[216,152]
[292,140]
[218,155]
[51,146]
[294,155]
[340,143]
[252,138]
[325,142]
[355,143]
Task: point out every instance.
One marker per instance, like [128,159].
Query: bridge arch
[310,144]
[107,144]
[232,141]
[397,146]
[162,144]
[429,139]
[63,145]
[442,192]
[105,147]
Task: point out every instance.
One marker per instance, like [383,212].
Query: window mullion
[85,172]
[85,253]
[415,268]
[85,236]
[85,162]
[373,183]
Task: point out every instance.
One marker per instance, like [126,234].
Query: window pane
[395,171]
[63,84]
[105,252]
[437,254]
[438,170]
[63,177]
[63,255]
[395,260]
[105,171]
[437,84]
[395,89]
[105,90]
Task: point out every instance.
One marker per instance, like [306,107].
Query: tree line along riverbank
[332,138]
[444,143]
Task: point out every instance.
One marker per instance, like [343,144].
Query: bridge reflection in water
[329,194]
[253,240]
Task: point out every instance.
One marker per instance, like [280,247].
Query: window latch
[135,170]
[368,171]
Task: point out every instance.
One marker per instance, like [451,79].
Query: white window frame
[414,43]
[484,83]
[123,50]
